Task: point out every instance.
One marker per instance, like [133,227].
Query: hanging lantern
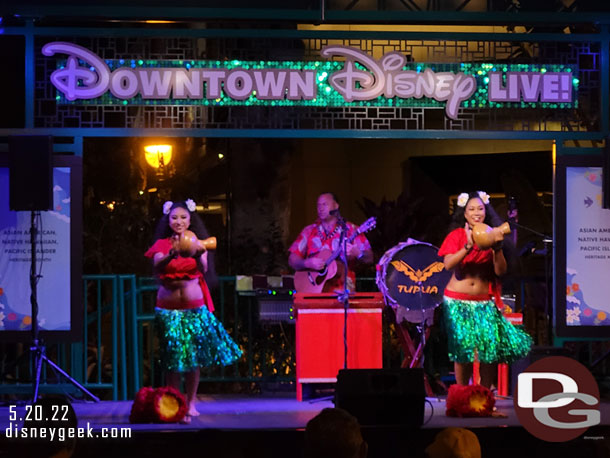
[158,155]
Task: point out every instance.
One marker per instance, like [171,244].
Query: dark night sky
[12,56]
[485,170]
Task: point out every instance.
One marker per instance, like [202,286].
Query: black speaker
[30,173]
[536,353]
[382,397]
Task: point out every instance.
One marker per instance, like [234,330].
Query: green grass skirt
[193,338]
[478,328]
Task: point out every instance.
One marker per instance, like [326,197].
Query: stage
[272,425]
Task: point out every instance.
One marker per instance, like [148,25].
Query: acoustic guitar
[311,281]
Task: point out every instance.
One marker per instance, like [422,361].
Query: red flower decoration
[568,290]
[169,404]
[469,401]
[140,411]
[12,316]
[587,312]
[575,287]
[161,405]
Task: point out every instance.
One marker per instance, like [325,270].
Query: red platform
[513,318]
[319,336]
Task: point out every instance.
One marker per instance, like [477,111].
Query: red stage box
[319,336]
[503,369]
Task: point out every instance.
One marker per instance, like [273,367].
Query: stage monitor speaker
[382,397]
[30,173]
[535,354]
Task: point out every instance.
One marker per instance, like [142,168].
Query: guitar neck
[337,252]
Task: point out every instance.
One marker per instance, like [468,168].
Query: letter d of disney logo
[74,80]
[556,399]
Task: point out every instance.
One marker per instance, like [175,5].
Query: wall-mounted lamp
[158,155]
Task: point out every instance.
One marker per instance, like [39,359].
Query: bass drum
[412,278]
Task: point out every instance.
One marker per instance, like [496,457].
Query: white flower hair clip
[462,199]
[167,206]
[484,197]
[191,205]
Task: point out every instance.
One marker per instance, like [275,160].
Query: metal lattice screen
[585,56]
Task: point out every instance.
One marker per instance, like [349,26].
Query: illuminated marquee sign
[356,80]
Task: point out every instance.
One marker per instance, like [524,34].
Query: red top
[180,268]
[454,242]
[314,239]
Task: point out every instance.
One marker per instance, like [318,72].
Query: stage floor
[267,412]
[272,426]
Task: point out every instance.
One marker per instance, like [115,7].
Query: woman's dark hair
[163,231]
[491,217]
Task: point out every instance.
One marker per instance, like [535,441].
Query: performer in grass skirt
[190,335]
[476,328]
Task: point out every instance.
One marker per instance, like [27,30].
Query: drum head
[412,278]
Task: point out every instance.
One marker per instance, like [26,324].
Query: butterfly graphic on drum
[418,275]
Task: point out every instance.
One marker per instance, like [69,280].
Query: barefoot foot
[193,412]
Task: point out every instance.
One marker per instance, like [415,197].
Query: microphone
[528,248]
[335,213]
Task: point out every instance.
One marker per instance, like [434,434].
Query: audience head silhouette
[454,443]
[56,414]
[334,433]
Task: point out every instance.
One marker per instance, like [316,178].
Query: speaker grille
[382,397]
[30,173]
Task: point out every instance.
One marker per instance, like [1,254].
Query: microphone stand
[548,245]
[38,349]
[540,234]
[343,296]
[419,361]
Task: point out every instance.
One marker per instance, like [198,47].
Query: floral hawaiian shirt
[314,239]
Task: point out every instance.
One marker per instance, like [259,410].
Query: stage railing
[237,311]
[117,354]
[99,360]
[122,353]
[106,299]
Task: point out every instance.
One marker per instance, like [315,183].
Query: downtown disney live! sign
[357,79]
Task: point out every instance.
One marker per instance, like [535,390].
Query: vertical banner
[52,260]
[582,249]
[58,259]
[587,249]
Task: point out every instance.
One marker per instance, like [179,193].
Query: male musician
[319,240]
